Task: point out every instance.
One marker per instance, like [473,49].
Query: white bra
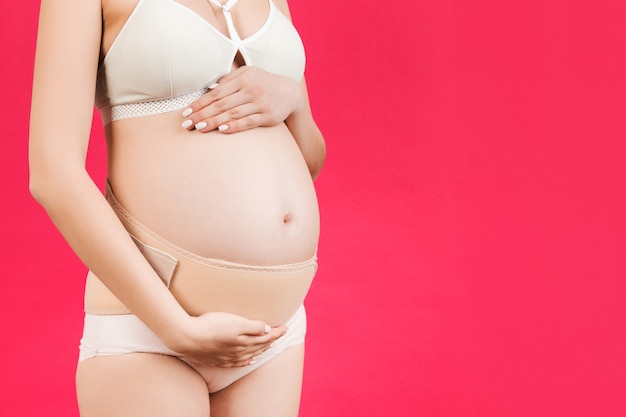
[166,55]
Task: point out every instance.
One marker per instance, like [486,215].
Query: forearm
[306,133]
[309,139]
[96,235]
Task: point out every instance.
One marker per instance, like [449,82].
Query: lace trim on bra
[148,108]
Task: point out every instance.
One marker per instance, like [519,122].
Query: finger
[231,358]
[257,347]
[243,82]
[263,341]
[203,111]
[244,360]
[233,75]
[206,118]
[231,364]
[219,112]
[224,120]
[216,92]
[244,123]
[277,332]
[227,362]
[242,363]
[207,98]
[254,328]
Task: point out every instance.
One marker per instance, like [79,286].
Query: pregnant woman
[203,247]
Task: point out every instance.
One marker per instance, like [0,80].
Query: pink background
[472,254]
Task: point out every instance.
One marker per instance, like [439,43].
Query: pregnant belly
[268,293]
[245,198]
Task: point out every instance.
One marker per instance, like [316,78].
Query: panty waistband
[270,293]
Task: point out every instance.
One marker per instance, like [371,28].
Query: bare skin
[68,52]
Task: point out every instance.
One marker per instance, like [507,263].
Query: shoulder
[283,7]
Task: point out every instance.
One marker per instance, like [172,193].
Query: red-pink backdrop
[472,254]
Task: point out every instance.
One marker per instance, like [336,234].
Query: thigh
[138,385]
[273,390]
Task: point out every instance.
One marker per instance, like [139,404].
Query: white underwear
[107,335]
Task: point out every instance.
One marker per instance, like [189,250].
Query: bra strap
[226,6]
[234,36]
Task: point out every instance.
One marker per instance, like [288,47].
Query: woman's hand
[225,340]
[246,98]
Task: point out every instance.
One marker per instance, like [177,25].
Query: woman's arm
[301,124]
[250,97]
[307,135]
[68,48]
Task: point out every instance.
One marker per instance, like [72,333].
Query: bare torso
[244,197]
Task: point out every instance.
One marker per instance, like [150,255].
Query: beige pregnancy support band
[268,293]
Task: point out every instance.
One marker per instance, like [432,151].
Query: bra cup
[162,53]
[166,50]
[280,50]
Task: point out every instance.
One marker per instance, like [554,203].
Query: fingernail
[212,86]
[200,125]
[187,123]
[222,128]
[252,362]
[187,112]
[267,328]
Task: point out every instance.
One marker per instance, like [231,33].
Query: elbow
[40,179]
[46,185]
[37,187]
[315,167]
[54,187]
[40,173]
[35,181]
[52,177]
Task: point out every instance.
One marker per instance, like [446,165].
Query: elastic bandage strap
[148,108]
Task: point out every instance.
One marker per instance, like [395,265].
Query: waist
[271,293]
